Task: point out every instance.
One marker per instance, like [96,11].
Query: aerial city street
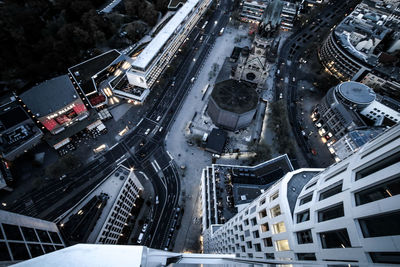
[200,127]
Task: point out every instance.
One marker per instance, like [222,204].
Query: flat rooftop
[83,72]
[157,44]
[235,96]
[50,96]
[111,186]
[357,92]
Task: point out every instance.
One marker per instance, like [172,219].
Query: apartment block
[347,212]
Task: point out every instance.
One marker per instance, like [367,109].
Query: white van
[139,240]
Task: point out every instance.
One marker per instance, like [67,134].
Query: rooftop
[84,72]
[216,141]
[235,96]
[364,29]
[110,187]
[50,96]
[157,44]
[296,184]
[357,92]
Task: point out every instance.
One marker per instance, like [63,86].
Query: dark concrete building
[232,104]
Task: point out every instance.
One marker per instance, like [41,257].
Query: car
[147,131]
[280,96]
[160,130]
[173,83]
[157,200]
[294,79]
[158,118]
[144,228]
[62,177]
[139,240]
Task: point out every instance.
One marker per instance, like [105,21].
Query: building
[102,215]
[95,78]
[18,132]
[271,21]
[365,41]
[383,110]
[252,64]
[241,184]
[216,141]
[336,114]
[350,106]
[288,15]
[252,10]
[352,141]
[382,83]
[232,104]
[346,213]
[151,62]
[23,237]
[57,109]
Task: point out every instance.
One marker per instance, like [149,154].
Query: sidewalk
[195,159]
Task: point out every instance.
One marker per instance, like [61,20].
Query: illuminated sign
[61,111]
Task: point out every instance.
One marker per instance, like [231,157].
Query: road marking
[169,154]
[145,176]
[156,163]
[155,168]
[121,159]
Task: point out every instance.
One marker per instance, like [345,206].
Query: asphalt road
[296,46]
[142,148]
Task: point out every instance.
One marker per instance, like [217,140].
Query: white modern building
[348,212]
[101,216]
[23,237]
[150,63]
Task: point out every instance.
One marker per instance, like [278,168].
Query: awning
[62,143]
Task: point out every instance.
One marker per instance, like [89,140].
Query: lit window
[279,228]
[282,245]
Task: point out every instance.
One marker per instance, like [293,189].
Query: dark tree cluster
[42,38]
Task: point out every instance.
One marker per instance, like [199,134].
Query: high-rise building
[23,237]
[348,212]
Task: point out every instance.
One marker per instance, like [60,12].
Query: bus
[204,25]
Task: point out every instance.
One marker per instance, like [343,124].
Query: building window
[331,192]
[395,158]
[262,202]
[306,199]
[303,216]
[241,228]
[306,256]
[304,237]
[247,233]
[269,256]
[335,239]
[381,225]
[243,249]
[29,234]
[250,255]
[274,196]
[275,211]
[279,227]
[264,227]
[379,191]
[248,244]
[385,257]
[331,213]
[12,232]
[256,234]
[257,247]
[253,221]
[246,222]
[242,238]
[262,213]
[282,245]
[267,242]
